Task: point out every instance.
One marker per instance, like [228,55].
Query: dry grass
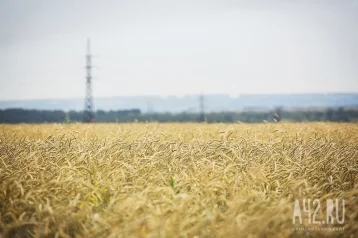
[173,180]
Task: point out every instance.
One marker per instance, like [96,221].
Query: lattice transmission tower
[88,113]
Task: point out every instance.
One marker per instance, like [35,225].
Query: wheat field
[174,180]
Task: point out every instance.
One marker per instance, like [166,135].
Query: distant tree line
[30,116]
[330,114]
[135,115]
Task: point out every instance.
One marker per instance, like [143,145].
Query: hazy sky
[164,47]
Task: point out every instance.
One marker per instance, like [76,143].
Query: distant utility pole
[201,104]
[149,107]
[88,114]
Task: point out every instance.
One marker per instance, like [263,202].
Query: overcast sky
[164,47]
